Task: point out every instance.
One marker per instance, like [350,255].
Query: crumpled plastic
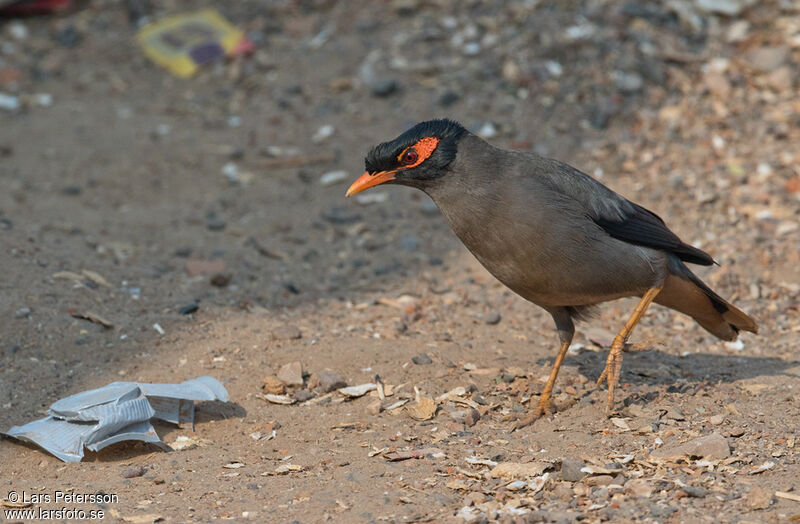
[119,411]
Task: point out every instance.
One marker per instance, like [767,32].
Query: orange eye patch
[424,148]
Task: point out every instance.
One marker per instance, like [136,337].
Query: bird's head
[418,156]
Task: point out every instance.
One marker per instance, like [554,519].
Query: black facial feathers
[383,157]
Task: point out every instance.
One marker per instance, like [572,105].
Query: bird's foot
[611,373]
[544,408]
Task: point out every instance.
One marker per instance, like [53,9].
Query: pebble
[291,374]
[717,419]
[188,309]
[767,59]
[9,102]
[639,487]
[330,381]
[68,37]
[723,7]
[323,133]
[628,82]
[384,87]
[421,359]
[599,480]
[301,395]
[571,470]
[713,446]
[220,279]
[333,177]
[286,332]
[215,223]
[735,432]
[693,491]
[273,386]
[23,312]
[487,130]
[492,317]
[757,498]
[134,471]
[448,98]
[472,417]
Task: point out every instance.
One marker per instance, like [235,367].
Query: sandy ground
[123,176]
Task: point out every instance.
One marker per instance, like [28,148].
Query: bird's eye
[410,157]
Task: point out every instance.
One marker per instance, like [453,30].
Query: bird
[553,235]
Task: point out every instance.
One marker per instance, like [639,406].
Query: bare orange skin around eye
[424,148]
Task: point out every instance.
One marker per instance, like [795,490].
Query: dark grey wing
[619,217]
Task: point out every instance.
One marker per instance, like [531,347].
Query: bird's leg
[543,407]
[614,361]
[566,330]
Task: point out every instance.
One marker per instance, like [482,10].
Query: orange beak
[367,181]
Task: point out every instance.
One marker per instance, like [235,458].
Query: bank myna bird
[552,234]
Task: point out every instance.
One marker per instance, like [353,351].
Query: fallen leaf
[423,409]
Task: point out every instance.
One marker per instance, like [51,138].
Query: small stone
[384,87]
[737,31]
[333,177]
[68,37]
[215,223]
[757,498]
[286,332]
[694,492]
[628,82]
[273,386]
[421,359]
[723,7]
[717,419]
[736,432]
[599,480]
[448,98]
[23,312]
[330,381]
[188,309]
[472,417]
[301,395]
[291,374]
[571,470]
[639,487]
[781,79]
[72,190]
[713,446]
[374,407]
[492,317]
[563,491]
[220,279]
[195,267]
[134,471]
[767,59]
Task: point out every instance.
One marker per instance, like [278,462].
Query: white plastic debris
[119,411]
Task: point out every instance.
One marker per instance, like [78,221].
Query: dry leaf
[423,409]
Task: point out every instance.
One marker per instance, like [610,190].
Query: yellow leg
[614,361]
[543,408]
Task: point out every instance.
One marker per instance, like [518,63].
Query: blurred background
[194,178]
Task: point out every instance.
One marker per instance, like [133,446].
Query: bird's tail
[683,291]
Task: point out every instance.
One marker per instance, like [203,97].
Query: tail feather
[686,293]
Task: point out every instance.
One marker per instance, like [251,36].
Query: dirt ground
[208,190]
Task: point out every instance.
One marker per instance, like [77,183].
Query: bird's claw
[544,408]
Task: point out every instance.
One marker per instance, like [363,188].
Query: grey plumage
[537,225]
